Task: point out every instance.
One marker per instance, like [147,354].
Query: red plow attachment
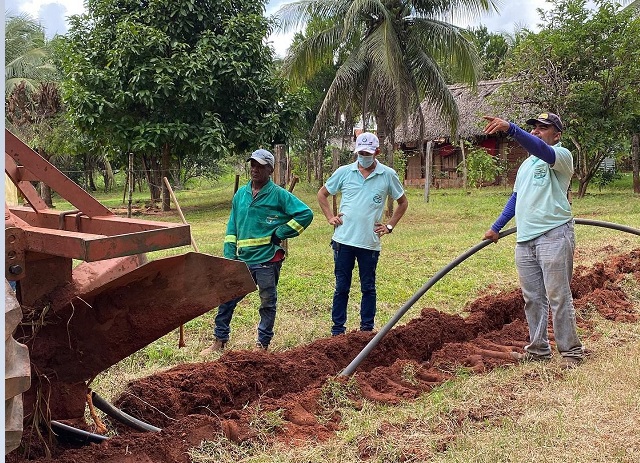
[77,322]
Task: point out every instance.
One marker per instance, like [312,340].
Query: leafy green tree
[585,66]
[33,105]
[493,49]
[315,87]
[27,54]
[394,52]
[481,167]
[164,79]
[634,7]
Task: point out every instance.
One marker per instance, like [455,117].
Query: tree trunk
[153,178]
[582,187]
[586,168]
[92,184]
[635,159]
[385,150]
[280,172]
[320,167]
[166,154]
[131,183]
[335,158]
[45,194]
[87,171]
[109,179]
[45,190]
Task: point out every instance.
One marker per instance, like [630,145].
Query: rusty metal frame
[91,232]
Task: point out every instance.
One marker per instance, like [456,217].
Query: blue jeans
[345,257]
[545,266]
[266,276]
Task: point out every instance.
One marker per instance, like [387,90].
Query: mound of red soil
[193,402]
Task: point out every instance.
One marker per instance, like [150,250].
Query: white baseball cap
[368,142]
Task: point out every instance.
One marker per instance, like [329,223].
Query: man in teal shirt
[545,240]
[365,185]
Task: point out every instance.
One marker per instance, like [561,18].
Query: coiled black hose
[446,269]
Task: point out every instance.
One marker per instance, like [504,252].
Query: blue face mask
[365,161]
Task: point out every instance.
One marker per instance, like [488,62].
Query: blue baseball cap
[263,157]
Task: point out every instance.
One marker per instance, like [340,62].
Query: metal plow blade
[81,338]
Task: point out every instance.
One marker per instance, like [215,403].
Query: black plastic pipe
[613,226]
[78,435]
[121,416]
[364,353]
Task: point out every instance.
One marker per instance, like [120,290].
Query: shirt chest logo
[377,198]
[539,172]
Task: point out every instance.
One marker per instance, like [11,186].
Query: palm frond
[292,16]
[308,55]
[349,77]
[447,44]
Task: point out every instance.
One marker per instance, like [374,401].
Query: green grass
[430,236]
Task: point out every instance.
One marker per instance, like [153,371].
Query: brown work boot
[260,346]
[217,346]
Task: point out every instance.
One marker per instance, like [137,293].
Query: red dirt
[194,402]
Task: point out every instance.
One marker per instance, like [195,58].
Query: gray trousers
[545,266]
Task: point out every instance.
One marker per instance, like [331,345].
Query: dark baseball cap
[547,118]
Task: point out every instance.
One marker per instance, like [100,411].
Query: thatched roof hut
[472,105]
[445,153]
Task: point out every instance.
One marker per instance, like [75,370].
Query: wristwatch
[389,228]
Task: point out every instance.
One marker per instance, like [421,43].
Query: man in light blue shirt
[358,227]
[545,240]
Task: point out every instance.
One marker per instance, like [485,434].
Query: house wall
[447,158]
[415,171]
[514,154]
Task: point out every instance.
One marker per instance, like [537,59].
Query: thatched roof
[472,105]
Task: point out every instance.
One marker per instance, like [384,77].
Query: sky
[52,14]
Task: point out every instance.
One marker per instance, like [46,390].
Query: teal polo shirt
[542,203]
[362,203]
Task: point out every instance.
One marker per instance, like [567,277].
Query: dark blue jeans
[266,277]
[345,258]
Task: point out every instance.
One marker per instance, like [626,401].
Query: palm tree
[634,4]
[394,53]
[27,55]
